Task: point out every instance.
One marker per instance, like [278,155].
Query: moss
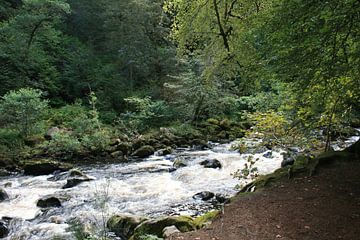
[44,166]
[202,220]
[156,226]
[124,225]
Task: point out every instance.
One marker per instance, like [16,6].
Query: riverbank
[324,206]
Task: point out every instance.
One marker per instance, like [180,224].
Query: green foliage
[22,110]
[249,172]
[149,237]
[145,113]
[64,143]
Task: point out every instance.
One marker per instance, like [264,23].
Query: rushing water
[141,188]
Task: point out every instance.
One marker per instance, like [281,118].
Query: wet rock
[288,159]
[221,198]
[56,220]
[3,195]
[75,177]
[156,226]
[144,151]
[44,167]
[124,225]
[199,144]
[205,196]
[124,147]
[168,231]
[268,154]
[164,151]
[172,169]
[72,182]
[294,149]
[48,202]
[117,155]
[212,163]
[179,163]
[4,231]
[51,132]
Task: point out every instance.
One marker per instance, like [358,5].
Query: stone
[51,132]
[205,196]
[48,202]
[56,220]
[44,167]
[288,159]
[268,154]
[117,155]
[4,231]
[211,163]
[168,231]
[156,226]
[3,195]
[72,182]
[164,151]
[124,225]
[221,198]
[180,162]
[144,151]
[124,147]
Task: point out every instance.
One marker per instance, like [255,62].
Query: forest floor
[322,207]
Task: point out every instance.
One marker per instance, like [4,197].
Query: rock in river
[48,202]
[144,151]
[205,195]
[3,195]
[4,231]
[44,167]
[212,163]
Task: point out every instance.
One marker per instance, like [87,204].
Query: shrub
[64,142]
[22,110]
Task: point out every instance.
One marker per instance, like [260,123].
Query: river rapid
[145,188]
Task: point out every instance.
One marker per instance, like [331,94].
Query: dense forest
[145,64]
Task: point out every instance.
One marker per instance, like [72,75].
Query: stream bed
[148,188]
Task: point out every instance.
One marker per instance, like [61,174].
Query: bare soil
[322,207]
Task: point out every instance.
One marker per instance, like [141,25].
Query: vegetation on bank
[101,70]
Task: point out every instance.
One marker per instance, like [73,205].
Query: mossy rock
[124,225]
[44,167]
[205,219]
[156,226]
[144,151]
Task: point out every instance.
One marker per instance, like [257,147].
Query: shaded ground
[323,207]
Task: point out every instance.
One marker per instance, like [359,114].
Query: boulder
[164,151]
[44,167]
[221,198]
[178,163]
[124,225]
[75,177]
[168,231]
[51,132]
[268,154]
[124,147]
[288,159]
[117,155]
[199,144]
[72,182]
[3,195]
[156,226]
[144,151]
[48,202]
[4,231]
[205,196]
[211,163]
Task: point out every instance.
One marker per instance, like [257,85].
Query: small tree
[22,109]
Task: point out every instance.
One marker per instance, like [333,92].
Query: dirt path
[322,207]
